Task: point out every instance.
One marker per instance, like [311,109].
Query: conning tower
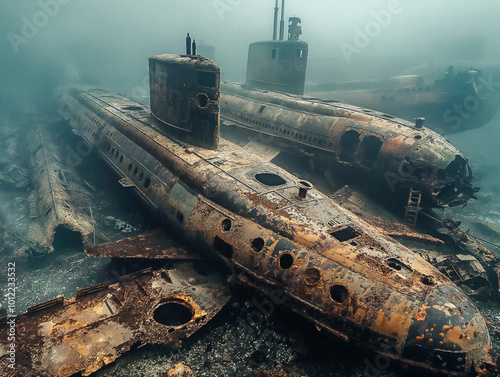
[279,65]
[184,93]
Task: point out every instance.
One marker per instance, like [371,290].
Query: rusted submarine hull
[63,337]
[396,153]
[445,102]
[277,233]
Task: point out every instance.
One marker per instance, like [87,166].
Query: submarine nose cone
[449,334]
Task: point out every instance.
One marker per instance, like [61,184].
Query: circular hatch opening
[172,314]
[270,179]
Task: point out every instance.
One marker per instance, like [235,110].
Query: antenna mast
[282,22]
[275,26]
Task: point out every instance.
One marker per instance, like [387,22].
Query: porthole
[141,176]
[339,293]
[226,225]
[258,244]
[286,261]
[147,183]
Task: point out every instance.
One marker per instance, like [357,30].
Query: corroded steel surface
[84,333]
[59,197]
[190,84]
[393,151]
[467,262]
[327,264]
[155,244]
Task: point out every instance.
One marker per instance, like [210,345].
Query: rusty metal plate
[156,244]
[84,333]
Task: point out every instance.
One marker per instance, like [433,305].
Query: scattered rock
[276,372]
[179,370]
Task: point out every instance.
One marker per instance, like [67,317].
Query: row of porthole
[284,131]
[115,153]
[413,90]
[312,275]
[78,119]
[91,118]
[91,131]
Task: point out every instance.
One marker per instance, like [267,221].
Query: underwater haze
[46,44]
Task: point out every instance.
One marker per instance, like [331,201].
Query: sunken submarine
[444,101]
[275,232]
[396,155]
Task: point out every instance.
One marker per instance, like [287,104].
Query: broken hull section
[331,267]
[59,199]
[62,337]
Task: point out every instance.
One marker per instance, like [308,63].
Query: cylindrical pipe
[282,22]
[188,45]
[304,187]
[275,26]
[419,122]
[194,46]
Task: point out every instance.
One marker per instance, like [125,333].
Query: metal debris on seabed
[59,199]
[62,337]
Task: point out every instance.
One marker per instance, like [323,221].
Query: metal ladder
[412,208]
[452,273]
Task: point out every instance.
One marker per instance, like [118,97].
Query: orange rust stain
[454,335]
[307,239]
[422,312]
[392,325]
[359,315]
